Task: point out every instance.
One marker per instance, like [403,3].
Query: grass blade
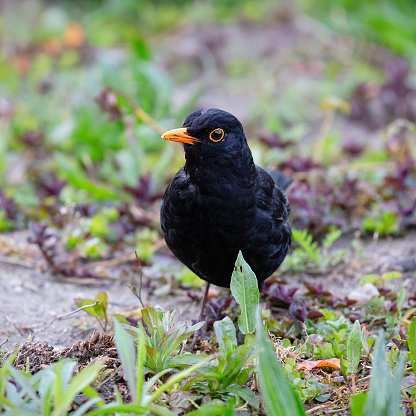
[278,395]
[83,379]
[141,358]
[384,394]
[126,352]
[176,378]
[411,339]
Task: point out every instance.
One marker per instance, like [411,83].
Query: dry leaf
[311,365]
[74,35]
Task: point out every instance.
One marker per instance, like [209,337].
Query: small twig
[64,316]
[135,210]
[16,262]
[133,288]
[366,362]
[49,259]
[141,278]
[109,376]
[183,343]
[156,246]
[337,410]
[4,342]
[323,406]
[353,385]
[13,325]
[141,114]
[127,258]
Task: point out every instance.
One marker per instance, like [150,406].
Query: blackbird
[220,202]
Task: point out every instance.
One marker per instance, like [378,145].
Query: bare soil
[30,297]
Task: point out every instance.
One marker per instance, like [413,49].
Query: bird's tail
[280,178]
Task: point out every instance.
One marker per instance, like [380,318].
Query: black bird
[220,202]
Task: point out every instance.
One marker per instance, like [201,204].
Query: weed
[162,339]
[309,256]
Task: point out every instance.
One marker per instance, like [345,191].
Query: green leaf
[82,302]
[101,307]
[140,361]
[72,172]
[92,394]
[411,340]
[225,329]
[121,318]
[112,409]
[127,354]
[83,379]
[331,237]
[246,394]
[24,383]
[383,397]
[244,375]
[210,410]
[364,340]
[357,404]
[354,348]
[278,395]
[237,360]
[244,288]
[149,383]
[176,378]
[183,360]
[154,323]
[86,406]
[99,310]
[392,275]
[175,336]
[370,278]
[322,398]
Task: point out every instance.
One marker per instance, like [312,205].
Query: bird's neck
[236,171]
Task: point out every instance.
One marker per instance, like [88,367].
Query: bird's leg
[204,302]
[201,315]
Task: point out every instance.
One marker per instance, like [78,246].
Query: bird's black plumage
[220,202]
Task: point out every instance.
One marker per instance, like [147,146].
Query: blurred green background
[306,78]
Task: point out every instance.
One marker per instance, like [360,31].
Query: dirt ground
[30,297]
[283,54]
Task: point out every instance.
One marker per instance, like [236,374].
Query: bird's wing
[272,236]
[271,197]
[280,178]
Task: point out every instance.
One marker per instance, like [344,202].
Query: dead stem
[141,114]
[63,316]
[323,406]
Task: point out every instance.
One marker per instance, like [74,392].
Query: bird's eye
[216,135]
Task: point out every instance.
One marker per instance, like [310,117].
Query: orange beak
[179,135]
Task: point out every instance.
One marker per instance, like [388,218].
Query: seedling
[309,256]
[99,311]
[162,339]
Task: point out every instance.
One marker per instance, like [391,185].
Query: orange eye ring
[216,135]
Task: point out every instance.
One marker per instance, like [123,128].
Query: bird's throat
[221,173]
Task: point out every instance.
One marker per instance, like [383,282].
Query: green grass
[157,371]
[108,154]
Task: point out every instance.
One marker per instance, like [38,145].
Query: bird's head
[210,133]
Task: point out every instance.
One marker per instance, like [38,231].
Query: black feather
[220,202]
